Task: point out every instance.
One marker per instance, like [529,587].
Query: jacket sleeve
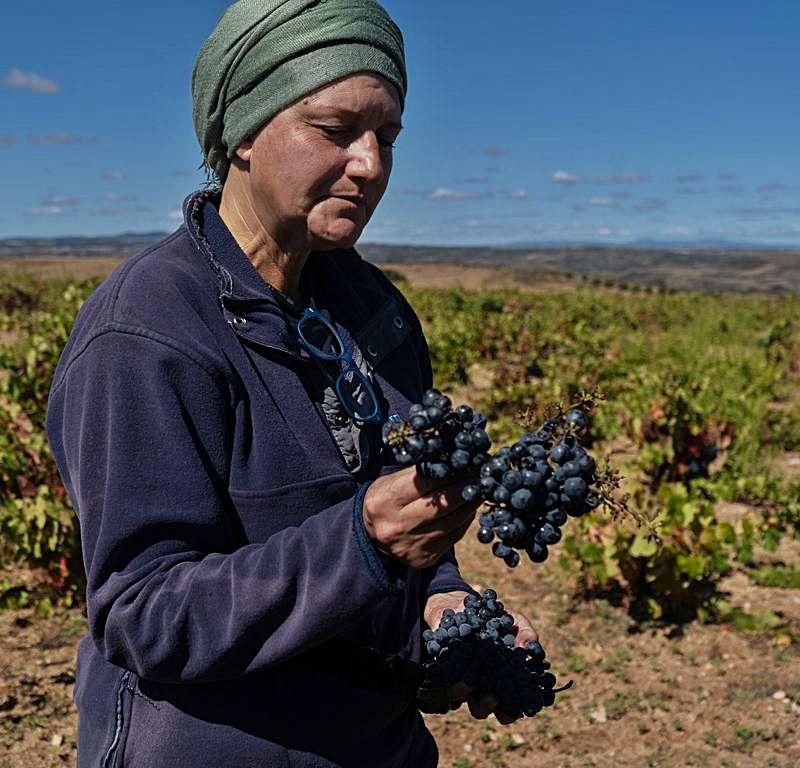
[139,430]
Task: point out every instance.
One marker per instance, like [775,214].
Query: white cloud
[562,177]
[623,178]
[175,215]
[649,204]
[60,200]
[30,81]
[115,197]
[602,201]
[113,176]
[518,194]
[444,193]
[46,210]
[59,137]
[679,231]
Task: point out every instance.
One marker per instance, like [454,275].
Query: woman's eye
[334,130]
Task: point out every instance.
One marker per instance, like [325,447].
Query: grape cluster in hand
[533,486]
[476,646]
[443,442]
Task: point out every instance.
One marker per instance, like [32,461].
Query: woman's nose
[366,160]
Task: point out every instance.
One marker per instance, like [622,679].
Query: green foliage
[37,524]
[776,576]
[700,401]
[672,577]
[685,376]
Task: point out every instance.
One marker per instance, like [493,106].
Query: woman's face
[319,167]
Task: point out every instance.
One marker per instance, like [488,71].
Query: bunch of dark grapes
[533,486]
[442,441]
[476,646]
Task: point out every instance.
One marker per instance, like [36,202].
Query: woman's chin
[342,233]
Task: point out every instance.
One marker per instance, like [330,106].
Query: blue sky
[531,121]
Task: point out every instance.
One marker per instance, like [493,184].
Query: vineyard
[676,613]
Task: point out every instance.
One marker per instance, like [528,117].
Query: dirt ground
[697,696]
[701,695]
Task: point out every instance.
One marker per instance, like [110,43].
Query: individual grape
[470,492]
[521,499]
[501,495]
[501,550]
[512,559]
[575,487]
[555,516]
[549,534]
[560,453]
[576,419]
[485,535]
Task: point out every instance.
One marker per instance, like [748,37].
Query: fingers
[435,606]
[415,529]
[524,629]
[445,501]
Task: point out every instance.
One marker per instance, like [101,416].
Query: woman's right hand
[414,520]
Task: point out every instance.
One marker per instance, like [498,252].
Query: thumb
[524,629]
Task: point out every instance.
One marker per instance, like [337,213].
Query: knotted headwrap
[265,54]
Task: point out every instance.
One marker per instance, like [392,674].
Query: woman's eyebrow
[354,113]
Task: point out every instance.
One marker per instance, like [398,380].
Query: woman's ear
[244,150]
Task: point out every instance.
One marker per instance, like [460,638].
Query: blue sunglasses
[323,342]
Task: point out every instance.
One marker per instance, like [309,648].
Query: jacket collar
[259,314]
[254,310]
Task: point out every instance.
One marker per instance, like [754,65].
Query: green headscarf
[265,54]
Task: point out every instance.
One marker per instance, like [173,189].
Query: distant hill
[704,269]
[78,247]
[746,269]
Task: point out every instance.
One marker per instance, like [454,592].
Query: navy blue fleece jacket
[232,589]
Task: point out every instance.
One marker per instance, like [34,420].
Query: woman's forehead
[354,93]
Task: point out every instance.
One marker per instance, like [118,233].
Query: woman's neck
[278,267]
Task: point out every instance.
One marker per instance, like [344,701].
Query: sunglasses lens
[356,395]
[319,335]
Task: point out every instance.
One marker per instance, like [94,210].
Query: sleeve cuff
[455,586]
[385,575]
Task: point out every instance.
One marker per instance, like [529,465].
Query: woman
[256,578]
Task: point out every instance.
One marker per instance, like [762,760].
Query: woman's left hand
[480,707]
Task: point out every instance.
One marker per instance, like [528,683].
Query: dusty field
[60,269]
[697,695]
[476,278]
[417,275]
[700,695]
